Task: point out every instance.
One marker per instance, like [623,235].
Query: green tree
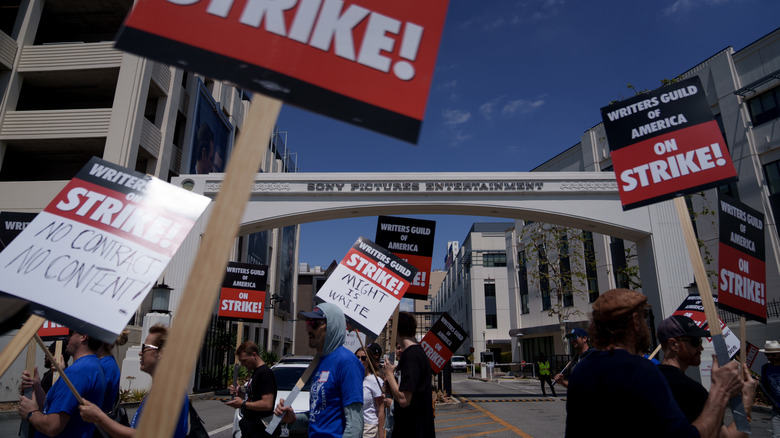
[557,263]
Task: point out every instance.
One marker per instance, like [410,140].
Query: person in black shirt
[681,341]
[410,383]
[258,402]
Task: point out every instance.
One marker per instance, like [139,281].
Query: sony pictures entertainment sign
[364,62]
[368,285]
[92,255]
[665,143]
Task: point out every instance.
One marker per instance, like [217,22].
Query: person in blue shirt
[111,370]
[579,343]
[150,354]
[336,396]
[55,414]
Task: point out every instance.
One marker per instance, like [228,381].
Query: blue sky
[516,83]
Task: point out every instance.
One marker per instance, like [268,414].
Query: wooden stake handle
[59,370]
[193,315]
[19,341]
[707,302]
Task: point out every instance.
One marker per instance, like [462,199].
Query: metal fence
[215,367]
[772,311]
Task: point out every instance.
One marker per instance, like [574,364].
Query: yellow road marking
[454,413]
[459,419]
[481,433]
[500,421]
[461,427]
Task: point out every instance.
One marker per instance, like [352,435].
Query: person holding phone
[410,383]
[258,402]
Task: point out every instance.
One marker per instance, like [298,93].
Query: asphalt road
[501,408]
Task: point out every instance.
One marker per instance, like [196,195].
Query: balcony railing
[74,123]
[71,56]
[161,74]
[151,138]
[8,48]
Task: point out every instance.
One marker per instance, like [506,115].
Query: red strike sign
[377,57]
[665,143]
[52,329]
[685,158]
[438,354]
[241,303]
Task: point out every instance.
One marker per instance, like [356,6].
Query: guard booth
[487,363]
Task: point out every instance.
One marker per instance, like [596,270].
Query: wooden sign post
[19,341]
[708,303]
[202,290]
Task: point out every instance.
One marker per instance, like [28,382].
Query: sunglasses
[314,323]
[695,342]
[362,358]
[145,347]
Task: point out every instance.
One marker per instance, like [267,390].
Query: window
[490,290]
[765,107]
[590,267]
[544,281]
[523,282]
[565,267]
[494,260]
[619,264]
[772,173]
[491,320]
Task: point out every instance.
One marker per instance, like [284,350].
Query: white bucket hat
[771,347]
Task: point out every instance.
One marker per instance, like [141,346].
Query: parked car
[291,358]
[459,363]
[287,372]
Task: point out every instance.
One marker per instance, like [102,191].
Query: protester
[681,341]
[55,414]
[770,380]
[579,342]
[615,392]
[336,395]
[258,401]
[111,371]
[47,380]
[411,384]
[373,398]
[151,352]
[389,404]
[544,374]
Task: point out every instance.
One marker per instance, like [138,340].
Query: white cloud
[454,117]
[522,106]
[687,5]
[486,109]
[490,109]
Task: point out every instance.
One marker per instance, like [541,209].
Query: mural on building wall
[212,135]
[257,248]
[287,267]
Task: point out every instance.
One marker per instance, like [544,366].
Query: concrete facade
[66,95]
[743,89]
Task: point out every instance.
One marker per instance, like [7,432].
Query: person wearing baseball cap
[336,395]
[615,392]
[682,343]
[579,343]
[770,381]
